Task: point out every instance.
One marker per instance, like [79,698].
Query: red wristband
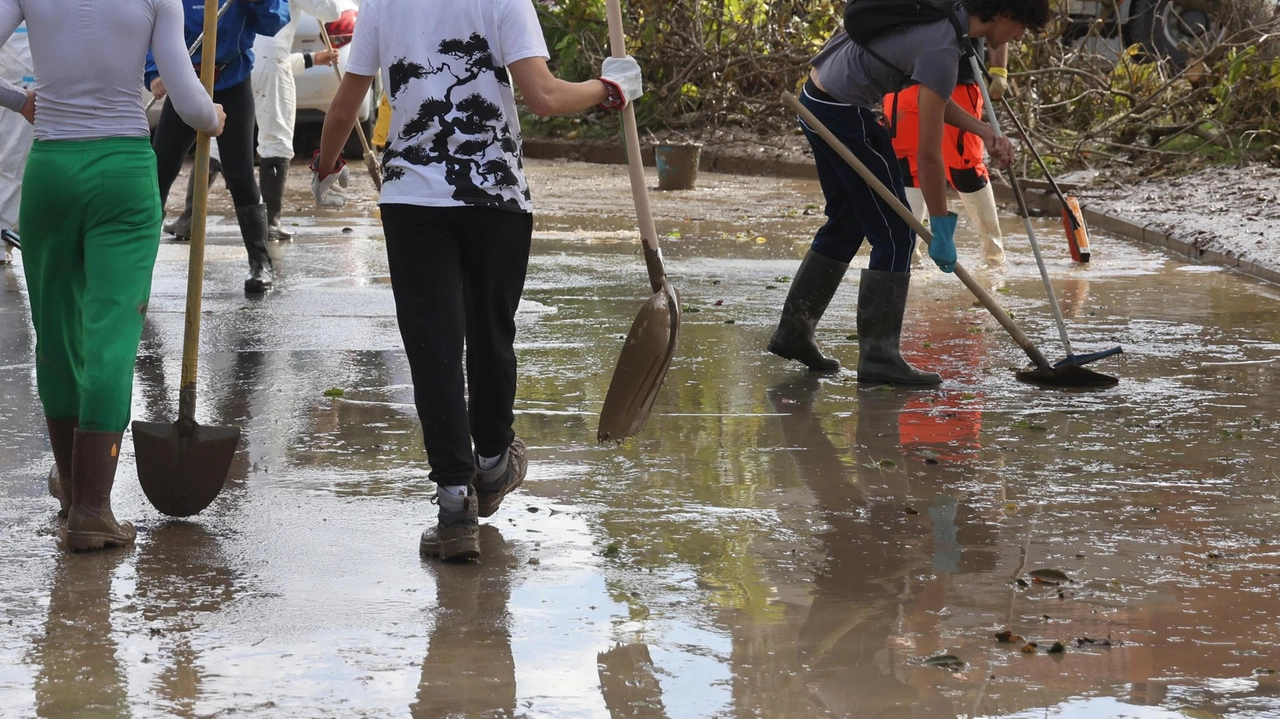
[315,165]
[614,99]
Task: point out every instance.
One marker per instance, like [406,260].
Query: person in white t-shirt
[458,220]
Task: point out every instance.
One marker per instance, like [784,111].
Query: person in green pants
[90,217]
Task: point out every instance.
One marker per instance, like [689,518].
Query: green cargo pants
[90,219]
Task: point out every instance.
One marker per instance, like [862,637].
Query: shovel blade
[1066,376]
[642,366]
[183,466]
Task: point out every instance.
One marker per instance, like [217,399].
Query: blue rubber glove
[942,248]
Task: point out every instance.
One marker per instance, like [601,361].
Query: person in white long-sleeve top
[275,98]
[90,219]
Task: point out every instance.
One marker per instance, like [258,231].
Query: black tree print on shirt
[469,137]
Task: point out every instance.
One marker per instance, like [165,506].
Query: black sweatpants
[457,274]
[174,139]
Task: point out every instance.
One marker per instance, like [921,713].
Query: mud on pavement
[774,544]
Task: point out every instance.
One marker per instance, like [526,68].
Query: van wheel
[1166,30]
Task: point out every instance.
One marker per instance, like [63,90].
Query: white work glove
[323,185]
[999,83]
[621,76]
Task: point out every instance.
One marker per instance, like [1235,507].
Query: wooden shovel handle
[635,164]
[370,160]
[892,200]
[199,218]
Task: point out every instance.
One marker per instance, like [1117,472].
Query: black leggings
[457,274]
[174,139]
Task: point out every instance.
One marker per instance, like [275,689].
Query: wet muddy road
[774,544]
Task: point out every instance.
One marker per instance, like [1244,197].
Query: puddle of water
[774,544]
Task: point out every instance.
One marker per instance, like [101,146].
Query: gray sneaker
[494,484]
[456,536]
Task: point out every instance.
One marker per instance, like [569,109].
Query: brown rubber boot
[494,484]
[62,435]
[90,523]
[456,536]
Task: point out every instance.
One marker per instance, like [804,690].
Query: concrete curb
[1040,197]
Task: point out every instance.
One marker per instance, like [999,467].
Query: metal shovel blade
[1070,372]
[182,466]
[642,365]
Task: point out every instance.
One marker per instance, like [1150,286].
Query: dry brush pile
[721,66]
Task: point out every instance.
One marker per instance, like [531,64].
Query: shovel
[646,356]
[1041,371]
[1072,358]
[182,466]
[370,160]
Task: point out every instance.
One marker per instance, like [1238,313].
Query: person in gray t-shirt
[845,86]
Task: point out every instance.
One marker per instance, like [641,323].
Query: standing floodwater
[774,544]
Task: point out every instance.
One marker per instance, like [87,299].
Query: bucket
[677,166]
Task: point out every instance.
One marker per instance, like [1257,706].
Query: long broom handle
[370,161]
[635,164]
[195,46]
[1026,137]
[1022,205]
[199,216]
[1037,357]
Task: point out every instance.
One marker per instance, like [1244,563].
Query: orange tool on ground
[1072,217]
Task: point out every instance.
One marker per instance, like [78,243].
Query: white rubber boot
[981,208]
[915,200]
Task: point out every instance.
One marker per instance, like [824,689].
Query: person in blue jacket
[240,24]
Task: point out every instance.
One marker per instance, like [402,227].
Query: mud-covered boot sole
[257,287]
[459,548]
[927,380]
[824,364]
[94,541]
[489,503]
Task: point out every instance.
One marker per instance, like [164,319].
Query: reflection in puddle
[775,544]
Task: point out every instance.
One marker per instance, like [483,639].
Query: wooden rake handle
[370,160]
[891,199]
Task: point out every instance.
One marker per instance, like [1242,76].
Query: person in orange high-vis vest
[962,152]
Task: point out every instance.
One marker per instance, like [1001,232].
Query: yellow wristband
[1002,72]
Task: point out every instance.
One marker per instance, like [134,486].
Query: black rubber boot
[811,291]
[253,228]
[8,243]
[180,228]
[882,301]
[273,175]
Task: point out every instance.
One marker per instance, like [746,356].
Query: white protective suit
[16,133]
[274,96]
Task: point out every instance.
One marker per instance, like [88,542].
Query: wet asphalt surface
[774,544]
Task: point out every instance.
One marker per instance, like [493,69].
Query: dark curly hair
[1034,14]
